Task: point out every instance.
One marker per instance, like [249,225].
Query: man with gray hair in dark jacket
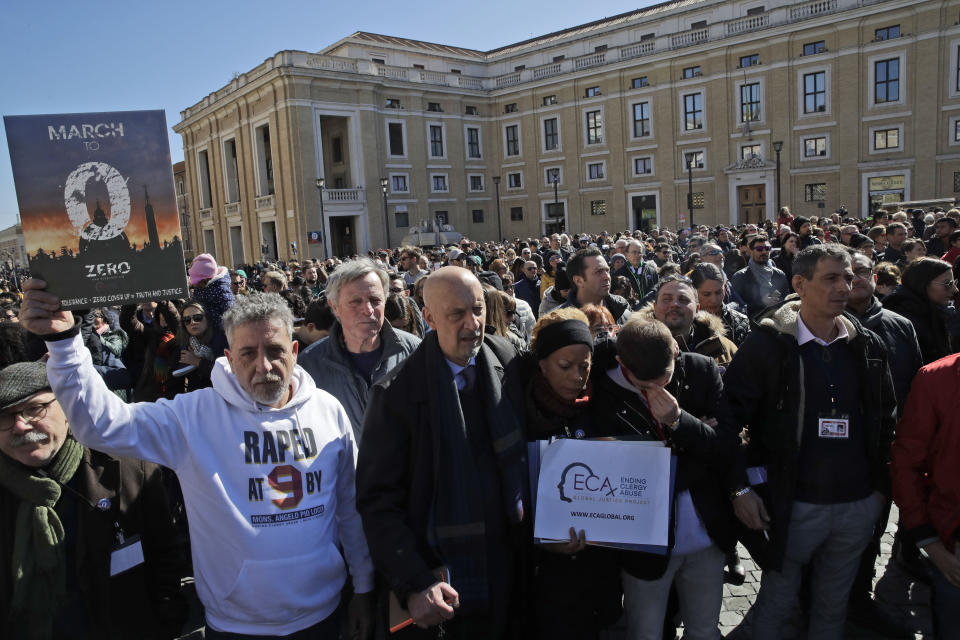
[361,348]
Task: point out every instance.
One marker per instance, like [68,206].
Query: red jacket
[925,461]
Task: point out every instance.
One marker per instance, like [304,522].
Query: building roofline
[586,25]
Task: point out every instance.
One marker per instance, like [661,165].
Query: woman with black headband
[577,589]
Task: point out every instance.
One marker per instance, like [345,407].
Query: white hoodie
[269,492]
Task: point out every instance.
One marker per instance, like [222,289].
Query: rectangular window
[419,66]
[748,151]
[471,111]
[559,58]
[592,92]
[957,80]
[642,166]
[551,136]
[641,119]
[264,160]
[395,133]
[513,140]
[695,158]
[473,142]
[598,207]
[203,169]
[699,24]
[956,132]
[436,141]
[750,102]
[595,171]
[510,108]
[434,106]
[750,60]
[812,48]
[516,214]
[816,192]
[886,80]
[692,72]
[441,217]
[886,139]
[594,127]
[476,183]
[393,103]
[956,181]
[520,67]
[887,33]
[402,219]
[755,11]
[693,111]
[814,147]
[398,184]
[638,83]
[439,182]
[231,180]
[815,92]
[552,175]
[477,216]
[549,100]
[514,180]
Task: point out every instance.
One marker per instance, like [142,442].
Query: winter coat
[528,290]
[744,282]
[765,386]
[903,350]
[641,284]
[143,602]
[216,297]
[328,362]
[926,455]
[737,324]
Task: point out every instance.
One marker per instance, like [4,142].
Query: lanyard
[823,356]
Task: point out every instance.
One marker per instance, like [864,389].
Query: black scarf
[457,529]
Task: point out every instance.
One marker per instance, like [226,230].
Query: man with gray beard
[440,474]
[265,459]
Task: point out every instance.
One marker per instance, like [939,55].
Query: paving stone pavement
[900,594]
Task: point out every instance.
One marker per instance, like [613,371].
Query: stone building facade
[621,123]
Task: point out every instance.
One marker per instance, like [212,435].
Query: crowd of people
[332,448]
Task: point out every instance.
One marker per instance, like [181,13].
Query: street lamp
[496,186]
[386,217]
[778,147]
[690,157]
[323,227]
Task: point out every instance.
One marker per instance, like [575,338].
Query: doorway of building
[343,233]
[644,212]
[753,203]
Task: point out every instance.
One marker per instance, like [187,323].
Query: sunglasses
[761,249]
[197,317]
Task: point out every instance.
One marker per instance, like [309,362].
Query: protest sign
[617,492]
[97,205]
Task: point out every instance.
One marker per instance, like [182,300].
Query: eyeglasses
[863,273]
[396,290]
[197,317]
[715,252]
[29,415]
[949,284]
[761,249]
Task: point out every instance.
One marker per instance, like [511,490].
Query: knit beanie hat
[203,266]
[562,281]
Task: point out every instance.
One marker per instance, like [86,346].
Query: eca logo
[578,478]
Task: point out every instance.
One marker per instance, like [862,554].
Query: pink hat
[203,266]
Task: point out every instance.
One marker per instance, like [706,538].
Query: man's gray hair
[354,270]
[257,307]
[805,264]
[633,242]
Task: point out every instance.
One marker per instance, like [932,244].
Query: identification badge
[835,428]
[126,555]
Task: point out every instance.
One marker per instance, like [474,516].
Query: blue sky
[67,57]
